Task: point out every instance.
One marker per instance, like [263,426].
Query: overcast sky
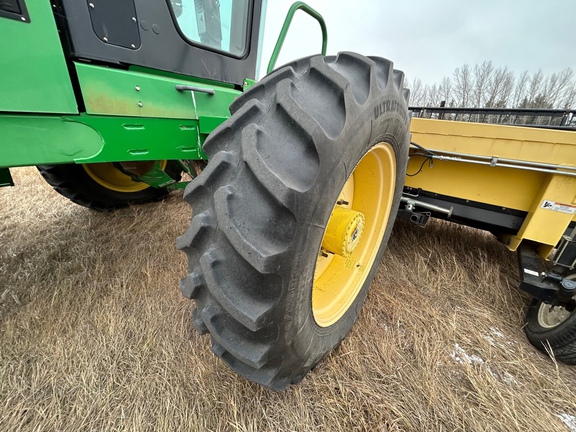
[429,39]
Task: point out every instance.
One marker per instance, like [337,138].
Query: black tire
[546,335]
[275,171]
[74,182]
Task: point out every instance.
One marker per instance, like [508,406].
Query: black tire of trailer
[275,171]
[86,186]
[560,339]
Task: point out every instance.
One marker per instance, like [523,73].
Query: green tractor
[296,178]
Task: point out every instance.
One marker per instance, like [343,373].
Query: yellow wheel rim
[353,235]
[108,176]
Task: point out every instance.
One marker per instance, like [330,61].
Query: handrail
[314,14]
[561,119]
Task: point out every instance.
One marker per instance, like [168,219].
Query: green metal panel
[108,91]
[141,139]
[180,77]
[28,140]
[34,76]
[32,140]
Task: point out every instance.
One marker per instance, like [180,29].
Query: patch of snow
[490,340]
[464,358]
[497,332]
[504,377]
[568,420]
[509,379]
[498,339]
[461,357]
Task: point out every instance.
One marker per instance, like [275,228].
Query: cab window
[218,24]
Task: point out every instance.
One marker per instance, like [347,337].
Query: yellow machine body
[527,169]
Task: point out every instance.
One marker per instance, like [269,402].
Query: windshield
[218,24]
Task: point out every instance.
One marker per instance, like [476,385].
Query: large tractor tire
[102,186]
[552,329]
[293,212]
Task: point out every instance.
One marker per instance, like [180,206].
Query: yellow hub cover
[343,231]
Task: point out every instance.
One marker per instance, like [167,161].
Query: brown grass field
[94,335]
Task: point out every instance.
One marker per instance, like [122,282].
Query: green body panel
[143,139]
[34,76]
[179,77]
[170,124]
[141,93]
[33,140]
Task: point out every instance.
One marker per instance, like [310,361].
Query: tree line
[487,86]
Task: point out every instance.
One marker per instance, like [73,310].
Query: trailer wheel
[102,186]
[553,327]
[292,214]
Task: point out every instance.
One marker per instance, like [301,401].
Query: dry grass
[94,335]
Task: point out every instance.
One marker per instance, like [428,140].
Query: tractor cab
[210,39]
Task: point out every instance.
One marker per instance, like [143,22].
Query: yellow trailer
[518,183]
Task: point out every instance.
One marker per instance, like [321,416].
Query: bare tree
[569,100]
[482,76]
[520,89]
[445,90]
[556,85]
[433,96]
[463,84]
[417,93]
[499,88]
[487,86]
[534,98]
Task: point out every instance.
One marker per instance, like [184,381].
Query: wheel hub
[552,316]
[343,231]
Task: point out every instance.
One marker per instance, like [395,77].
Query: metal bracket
[565,252]
[155,177]
[549,287]
[417,218]
[411,204]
